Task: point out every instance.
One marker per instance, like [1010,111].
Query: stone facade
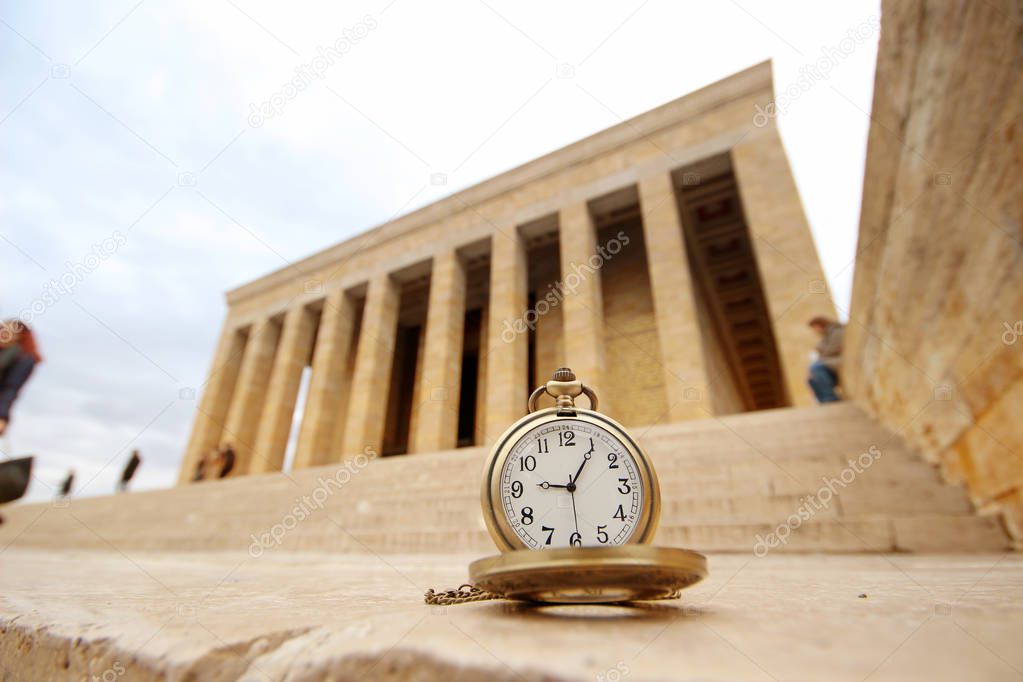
[426,333]
[935,340]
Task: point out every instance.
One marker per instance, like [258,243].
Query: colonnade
[348,340]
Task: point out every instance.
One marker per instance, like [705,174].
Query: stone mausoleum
[667,259]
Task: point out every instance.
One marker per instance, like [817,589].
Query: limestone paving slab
[66,615]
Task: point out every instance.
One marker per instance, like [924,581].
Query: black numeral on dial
[624,488]
[527,515]
[620,514]
[566,438]
[602,536]
[613,459]
[576,540]
[516,489]
[550,534]
[527,463]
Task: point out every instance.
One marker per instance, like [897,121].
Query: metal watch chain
[463,595]
[467,593]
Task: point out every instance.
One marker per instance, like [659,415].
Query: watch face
[570,483]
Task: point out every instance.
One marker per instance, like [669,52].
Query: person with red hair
[19,354]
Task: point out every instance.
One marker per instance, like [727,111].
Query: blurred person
[129,471]
[65,487]
[824,370]
[226,460]
[203,464]
[19,354]
[15,475]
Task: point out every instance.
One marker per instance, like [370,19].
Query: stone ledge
[218,616]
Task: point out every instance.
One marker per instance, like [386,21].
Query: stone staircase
[727,485]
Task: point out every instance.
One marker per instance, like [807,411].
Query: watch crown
[563,374]
[564,387]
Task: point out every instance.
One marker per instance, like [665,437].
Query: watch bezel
[497,524]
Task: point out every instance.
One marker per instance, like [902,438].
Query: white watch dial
[571,483]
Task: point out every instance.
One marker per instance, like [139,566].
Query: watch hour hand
[545,485]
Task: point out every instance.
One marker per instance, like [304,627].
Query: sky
[151,158]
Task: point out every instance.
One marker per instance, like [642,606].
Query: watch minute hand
[586,458]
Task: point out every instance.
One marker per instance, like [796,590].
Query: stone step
[674,470]
[666,450]
[861,496]
[727,483]
[901,500]
[971,533]
[325,532]
[439,469]
[465,513]
[869,493]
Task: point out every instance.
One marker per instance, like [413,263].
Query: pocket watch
[572,502]
[565,477]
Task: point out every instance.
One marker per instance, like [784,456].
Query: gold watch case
[590,575]
[490,497]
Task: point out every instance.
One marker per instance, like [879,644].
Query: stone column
[216,398]
[437,420]
[678,326]
[371,382]
[507,336]
[791,274]
[548,337]
[250,392]
[328,392]
[282,392]
[583,307]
